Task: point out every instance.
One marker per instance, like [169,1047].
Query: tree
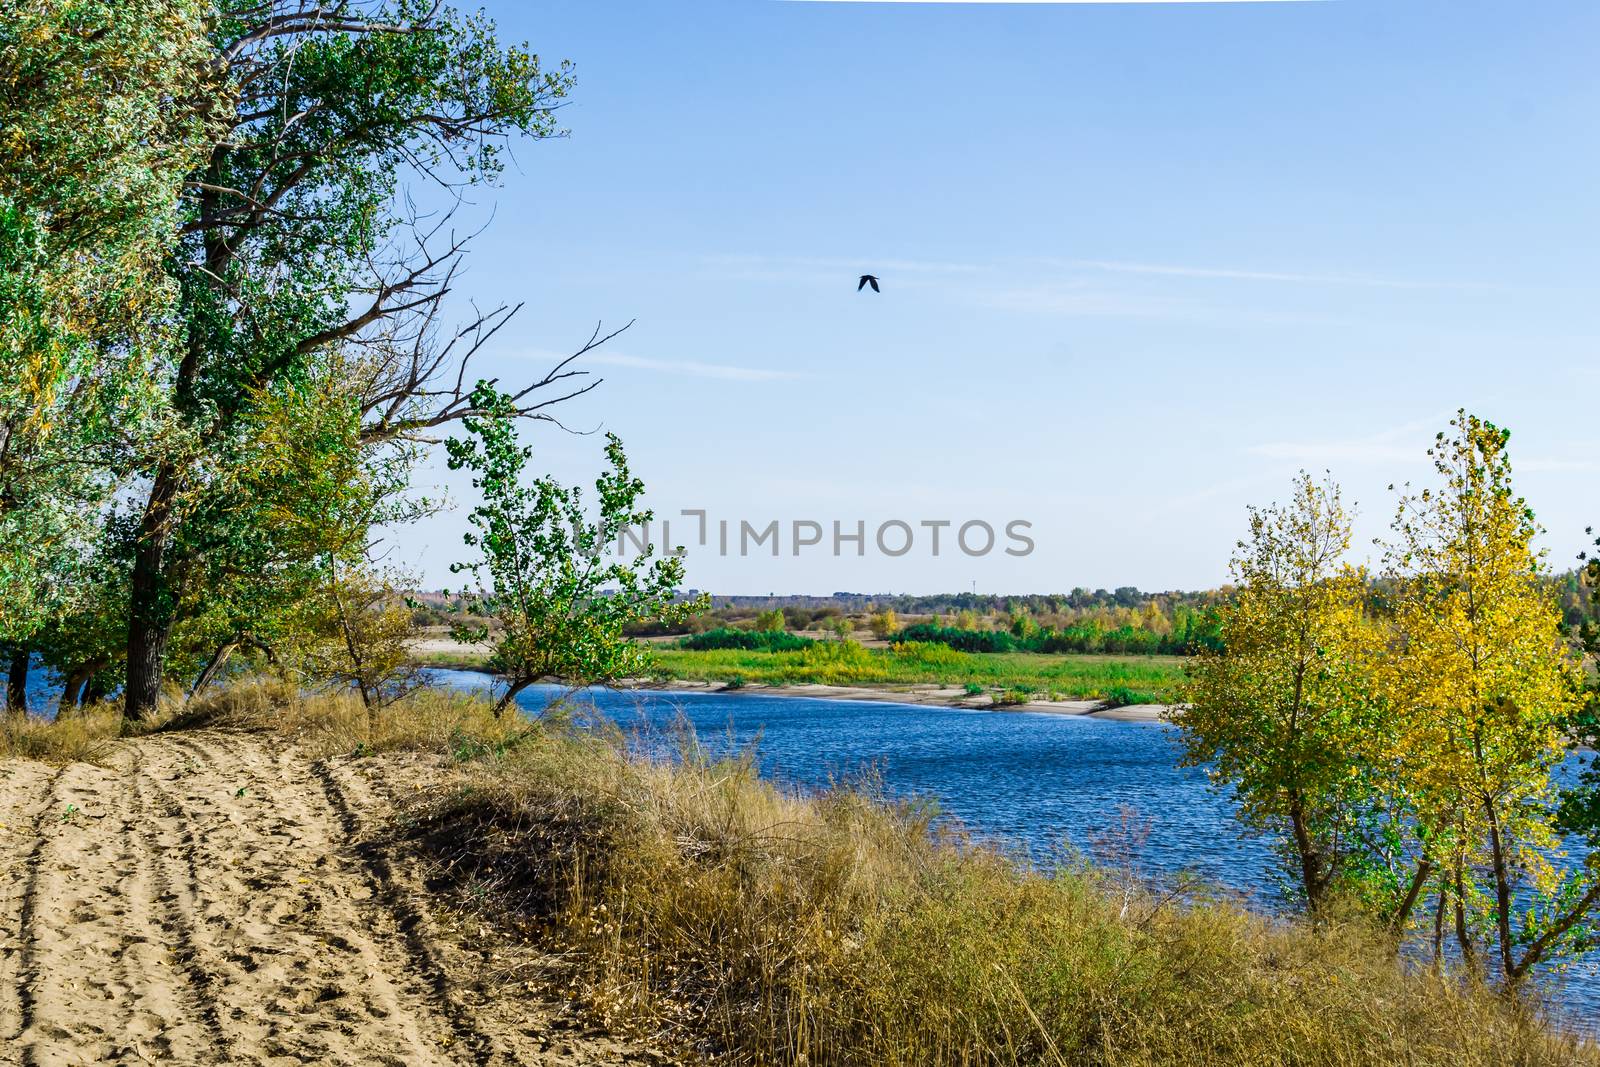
[355,633]
[769,621]
[104,104]
[884,625]
[1281,712]
[559,606]
[1486,698]
[1580,803]
[300,258]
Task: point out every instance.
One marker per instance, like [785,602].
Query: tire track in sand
[216,897]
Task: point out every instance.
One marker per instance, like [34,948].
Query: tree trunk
[93,690]
[512,689]
[218,660]
[72,690]
[1469,955]
[1312,879]
[17,681]
[1402,915]
[1438,929]
[150,611]
[1502,891]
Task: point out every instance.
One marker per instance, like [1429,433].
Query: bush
[963,640]
[924,654]
[746,641]
[842,662]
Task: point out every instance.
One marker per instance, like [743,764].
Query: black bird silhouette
[866,280]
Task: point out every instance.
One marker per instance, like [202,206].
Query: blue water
[1040,781]
[1044,783]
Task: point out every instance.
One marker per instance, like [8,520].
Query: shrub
[842,662]
[746,641]
[925,654]
[961,639]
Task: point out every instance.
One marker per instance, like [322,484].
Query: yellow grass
[82,736]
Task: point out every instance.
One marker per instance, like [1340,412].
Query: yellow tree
[1281,714]
[1485,694]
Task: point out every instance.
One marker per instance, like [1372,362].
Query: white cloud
[691,368]
[1403,444]
[1166,270]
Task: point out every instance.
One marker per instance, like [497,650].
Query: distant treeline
[1124,620]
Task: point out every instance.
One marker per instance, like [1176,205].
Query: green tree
[104,104]
[1282,713]
[770,621]
[560,607]
[300,260]
[355,632]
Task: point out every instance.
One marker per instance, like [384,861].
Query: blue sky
[1141,263]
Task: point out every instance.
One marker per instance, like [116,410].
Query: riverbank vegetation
[1114,679]
[223,354]
[1412,758]
[750,924]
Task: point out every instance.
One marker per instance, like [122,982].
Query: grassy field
[1116,679]
[1119,679]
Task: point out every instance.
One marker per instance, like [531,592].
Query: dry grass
[83,736]
[429,720]
[768,927]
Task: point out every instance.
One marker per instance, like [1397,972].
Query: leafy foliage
[104,104]
[304,279]
[1414,751]
[1485,695]
[560,606]
[1283,713]
[748,640]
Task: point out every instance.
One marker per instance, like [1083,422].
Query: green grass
[1121,679]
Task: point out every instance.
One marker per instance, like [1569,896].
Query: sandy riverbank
[445,652]
[941,696]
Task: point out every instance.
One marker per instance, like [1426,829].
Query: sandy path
[218,898]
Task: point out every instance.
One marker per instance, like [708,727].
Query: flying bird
[866,280]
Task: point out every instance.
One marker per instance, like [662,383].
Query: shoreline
[928,695]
